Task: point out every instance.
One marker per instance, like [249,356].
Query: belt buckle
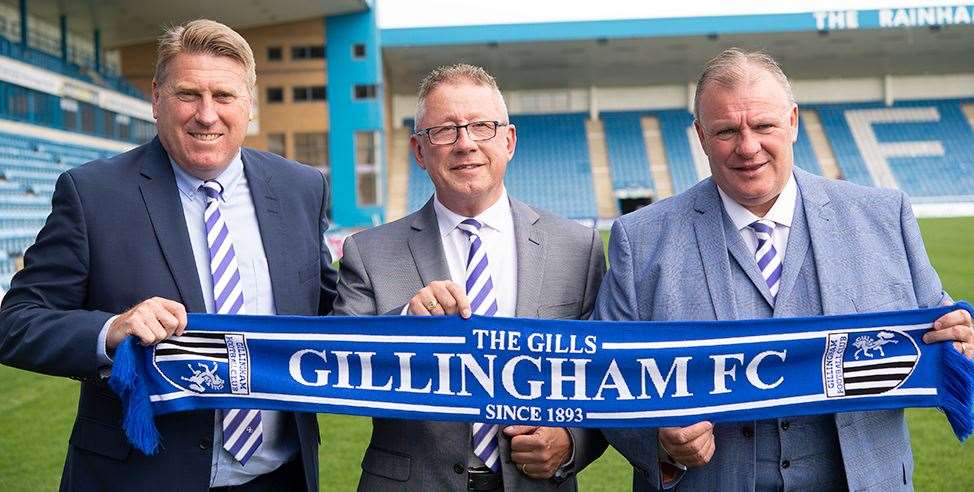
[483,479]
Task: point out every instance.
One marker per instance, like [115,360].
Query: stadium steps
[659,167]
[820,144]
[398,172]
[605,203]
[968,110]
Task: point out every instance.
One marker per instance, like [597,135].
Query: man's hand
[956,326]
[692,446]
[538,451]
[438,298]
[152,320]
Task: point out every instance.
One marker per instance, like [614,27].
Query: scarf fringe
[138,419]
[957,400]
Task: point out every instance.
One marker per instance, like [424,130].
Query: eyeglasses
[478,131]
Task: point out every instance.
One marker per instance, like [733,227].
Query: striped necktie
[769,262]
[242,430]
[480,291]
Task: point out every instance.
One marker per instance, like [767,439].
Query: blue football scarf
[546,372]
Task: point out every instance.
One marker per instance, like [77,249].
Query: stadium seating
[29,167]
[56,64]
[924,144]
[550,170]
[674,128]
[628,160]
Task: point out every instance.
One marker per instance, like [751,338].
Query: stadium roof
[811,45]
[125,22]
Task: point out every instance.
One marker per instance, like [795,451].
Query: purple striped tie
[242,430]
[769,262]
[480,290]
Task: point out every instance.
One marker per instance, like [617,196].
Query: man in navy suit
[125,252]
[761,239]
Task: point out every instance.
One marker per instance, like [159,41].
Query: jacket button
[748,431]
[205,443]
[785,425]
[458,468]
[785,464]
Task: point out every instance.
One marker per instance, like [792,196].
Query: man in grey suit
[522,262]
[762,239]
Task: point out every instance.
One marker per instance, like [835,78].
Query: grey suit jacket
[671,261]
[559,267]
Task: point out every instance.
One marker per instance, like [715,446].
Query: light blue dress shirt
[280,441]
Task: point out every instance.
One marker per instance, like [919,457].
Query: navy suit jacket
[672,261]
[117,236]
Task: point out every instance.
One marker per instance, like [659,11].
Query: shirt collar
[497,216]
[781,213]
[189,185]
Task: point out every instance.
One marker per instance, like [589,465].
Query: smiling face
[468,176]
[202,108]
[747,132]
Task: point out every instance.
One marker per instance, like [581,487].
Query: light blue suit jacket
[672,261]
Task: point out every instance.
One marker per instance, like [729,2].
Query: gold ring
[520,466]
[431,305]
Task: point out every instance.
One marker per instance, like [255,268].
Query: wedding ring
[520,466]
[431,305]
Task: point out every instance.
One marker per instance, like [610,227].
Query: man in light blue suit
[762,239]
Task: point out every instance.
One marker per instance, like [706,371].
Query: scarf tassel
[957,398]
[138,419]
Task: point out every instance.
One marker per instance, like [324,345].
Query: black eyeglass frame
[457,128]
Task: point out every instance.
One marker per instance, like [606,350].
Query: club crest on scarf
[204,362]
[867,362]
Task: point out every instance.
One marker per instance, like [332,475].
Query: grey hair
[206,37]
[731,68]
[453,74]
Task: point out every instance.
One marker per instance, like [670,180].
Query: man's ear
[155,99]
[793,122]
[417,149]
[699,129]
[511,140]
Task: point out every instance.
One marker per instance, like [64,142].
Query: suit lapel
[709,231]
[426,246]
[822,231]
[273,234]
[165,211]
[529,241]
[794,258]
[745,258]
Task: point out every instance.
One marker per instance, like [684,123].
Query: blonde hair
[205,37]
[453,74]
[731,68]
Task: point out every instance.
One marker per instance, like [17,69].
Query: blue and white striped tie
[242,430]
[769,262]
[483,301]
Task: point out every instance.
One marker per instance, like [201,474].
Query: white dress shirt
[496,235]
[781,213]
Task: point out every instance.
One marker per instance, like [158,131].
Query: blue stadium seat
[923,175]
[29,168]
[551,168]
[626,149]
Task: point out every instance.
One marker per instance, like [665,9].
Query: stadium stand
[628,159]
[919,146]
[53,63]
[550,170]
[29,167]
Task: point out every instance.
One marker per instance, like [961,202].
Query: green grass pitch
[36,412]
